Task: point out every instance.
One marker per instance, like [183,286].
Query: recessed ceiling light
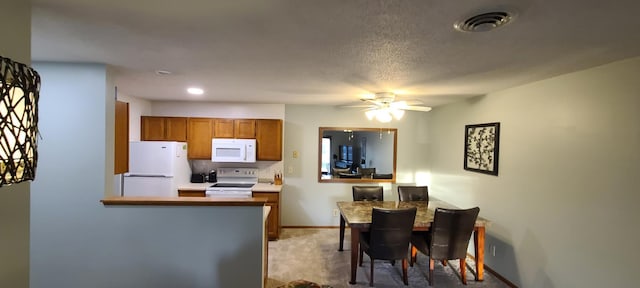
[163,72]
[195,91]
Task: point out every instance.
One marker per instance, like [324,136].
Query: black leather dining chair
[361,193]
[388,237]
[450,233]
[367,193]
[382,176]
[413,193]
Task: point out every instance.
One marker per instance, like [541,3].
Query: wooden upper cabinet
[121,154]
[200,134]
[269,139]
[155,128]
[223,128]
[176,129]
[152,128]
[244,128]
[234,128]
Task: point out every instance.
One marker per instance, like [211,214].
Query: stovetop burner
[232,185]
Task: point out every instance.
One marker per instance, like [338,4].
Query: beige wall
[564,207]
[14,200]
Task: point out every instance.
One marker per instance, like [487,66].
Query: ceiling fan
[383,107]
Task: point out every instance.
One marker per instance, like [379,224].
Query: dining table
[357,214]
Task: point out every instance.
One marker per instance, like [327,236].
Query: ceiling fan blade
[418,108]
[398,104]
[372,101]
[414,102]
[357,106]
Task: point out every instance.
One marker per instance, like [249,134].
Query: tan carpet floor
[312,254]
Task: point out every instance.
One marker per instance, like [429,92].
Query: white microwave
[233,150]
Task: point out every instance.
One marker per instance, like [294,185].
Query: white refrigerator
[156,168]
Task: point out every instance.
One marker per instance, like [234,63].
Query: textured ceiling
[330,51]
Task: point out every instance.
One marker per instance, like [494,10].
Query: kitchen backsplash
[266,169]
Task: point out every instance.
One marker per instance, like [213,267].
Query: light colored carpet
[312,254]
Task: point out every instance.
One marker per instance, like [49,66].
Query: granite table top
[358,213]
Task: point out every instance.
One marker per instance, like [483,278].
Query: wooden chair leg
[463,271]
[431,266]
[371,279]
[405,277]
[414,255]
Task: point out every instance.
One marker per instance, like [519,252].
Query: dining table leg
[478,239]
[355,241]
[342,224]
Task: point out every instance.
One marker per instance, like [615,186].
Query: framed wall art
[481,143]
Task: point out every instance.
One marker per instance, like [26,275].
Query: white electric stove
[233,183]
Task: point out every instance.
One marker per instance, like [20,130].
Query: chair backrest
[450,232]
[391,232]
[366,171]
[337,171]
[382,176]
[413,193]
[367,193]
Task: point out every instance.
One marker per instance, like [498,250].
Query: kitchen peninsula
[267,191]
[182,235]
[183,201]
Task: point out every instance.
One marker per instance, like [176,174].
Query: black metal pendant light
[19,92]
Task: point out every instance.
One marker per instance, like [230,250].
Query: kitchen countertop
[195,186]
[183,201]
[260,187]
[266,187]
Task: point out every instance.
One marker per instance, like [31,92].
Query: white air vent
[484,22]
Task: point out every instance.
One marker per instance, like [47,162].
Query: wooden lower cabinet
[191,193]
[273,221]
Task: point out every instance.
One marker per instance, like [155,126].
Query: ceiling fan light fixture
[371,114]
[397,113]
[384,108]
[383,116]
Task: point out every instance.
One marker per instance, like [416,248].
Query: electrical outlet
[295,154]
[336,213]
[493,250]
